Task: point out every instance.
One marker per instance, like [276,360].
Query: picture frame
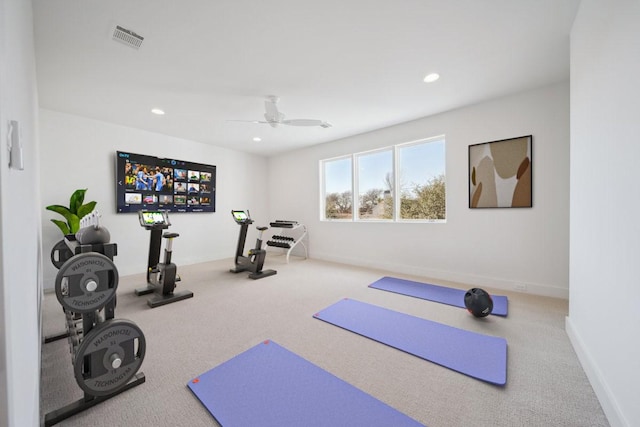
[501,173]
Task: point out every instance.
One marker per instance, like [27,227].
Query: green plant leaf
[86,209]
[74,223]
[76,200]
[62,225]
[62,210]
[66,213]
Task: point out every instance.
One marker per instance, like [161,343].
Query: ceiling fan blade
[306,122]
[260,122]
[249,121]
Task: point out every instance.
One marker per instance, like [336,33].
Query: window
[405,182]
[421,179]
[338,200]
[375,185]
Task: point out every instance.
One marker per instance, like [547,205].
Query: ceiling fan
[273,117]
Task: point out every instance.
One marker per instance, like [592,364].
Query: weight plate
[82,273]
[109,356]
[60,253]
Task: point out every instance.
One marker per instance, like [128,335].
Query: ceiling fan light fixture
[257,139]
[157,111]
[432,77]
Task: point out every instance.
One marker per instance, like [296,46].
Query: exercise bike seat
[261,228]
[170,235]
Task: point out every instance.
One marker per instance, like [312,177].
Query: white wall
[80,153]
[604,306]
[484,247]
[20,281]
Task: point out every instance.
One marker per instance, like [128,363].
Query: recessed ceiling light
[157,111]
[429,78]
[257,139]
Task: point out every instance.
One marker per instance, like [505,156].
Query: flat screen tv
[146,182]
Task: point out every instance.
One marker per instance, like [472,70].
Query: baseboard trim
[607,400]
[454,276]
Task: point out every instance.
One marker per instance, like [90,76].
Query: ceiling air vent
[127,37]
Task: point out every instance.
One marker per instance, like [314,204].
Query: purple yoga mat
[480,356]
[269,386]
[435,293]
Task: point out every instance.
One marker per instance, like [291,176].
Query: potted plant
[72,214]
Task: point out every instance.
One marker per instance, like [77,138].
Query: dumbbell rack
[79,326]
[291,235]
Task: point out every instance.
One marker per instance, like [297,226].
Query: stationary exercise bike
[161,276]
[254,260]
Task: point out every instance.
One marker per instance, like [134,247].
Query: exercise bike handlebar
[242,217]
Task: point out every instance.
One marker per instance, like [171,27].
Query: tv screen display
[146,182]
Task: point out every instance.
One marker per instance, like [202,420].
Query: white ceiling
[357,64]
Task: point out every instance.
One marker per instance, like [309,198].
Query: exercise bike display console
[161,276]
[254,261]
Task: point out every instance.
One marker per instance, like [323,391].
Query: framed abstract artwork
[500,173]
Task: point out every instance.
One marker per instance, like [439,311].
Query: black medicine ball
[478,302]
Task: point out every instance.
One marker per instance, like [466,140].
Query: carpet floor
[546,386]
